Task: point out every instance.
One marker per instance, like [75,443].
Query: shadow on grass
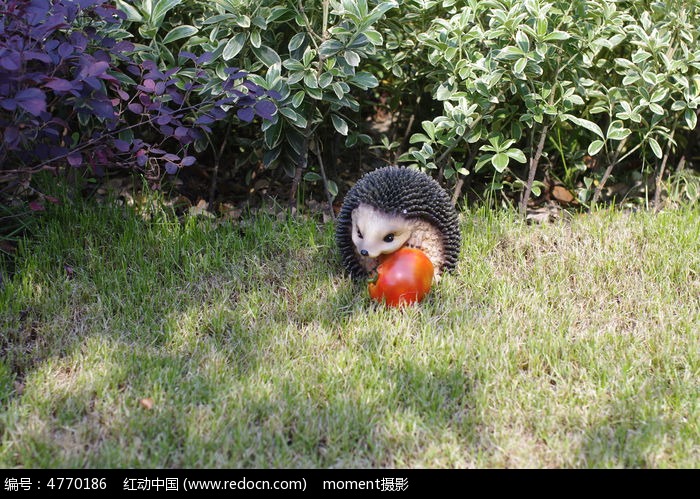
[634,435]
[217,347]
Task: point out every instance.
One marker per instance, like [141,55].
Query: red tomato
[402,278]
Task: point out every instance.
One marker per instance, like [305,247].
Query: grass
[132,342]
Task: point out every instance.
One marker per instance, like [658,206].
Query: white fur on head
[376,233]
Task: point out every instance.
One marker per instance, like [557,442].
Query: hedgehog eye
[359,234]
[389,238]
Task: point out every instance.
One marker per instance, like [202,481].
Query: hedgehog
[392,207]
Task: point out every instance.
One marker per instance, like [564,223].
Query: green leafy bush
[309,53]
[514,77]
[507,95]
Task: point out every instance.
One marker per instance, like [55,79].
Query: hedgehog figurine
[393,207]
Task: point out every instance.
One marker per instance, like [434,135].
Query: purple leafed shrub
[71,95]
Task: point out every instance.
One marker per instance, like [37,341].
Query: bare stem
[329,197]
[608,171]
[460,182]
[309,130]
[659,173]
[534,162]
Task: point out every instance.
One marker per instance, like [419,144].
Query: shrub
[310,53]
[514,77]
[72,95]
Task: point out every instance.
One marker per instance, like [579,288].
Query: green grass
[568,345]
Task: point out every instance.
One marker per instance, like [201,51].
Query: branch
[534,161]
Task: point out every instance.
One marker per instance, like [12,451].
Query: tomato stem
[373,276]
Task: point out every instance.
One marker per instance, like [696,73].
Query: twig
[308,131]
[608,170]
[460,182]
[329,197]
[659,173]
[534,161]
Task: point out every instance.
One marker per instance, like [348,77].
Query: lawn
[143,341]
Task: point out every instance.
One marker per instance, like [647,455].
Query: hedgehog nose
[364,252]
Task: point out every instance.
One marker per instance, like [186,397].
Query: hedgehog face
[376,233]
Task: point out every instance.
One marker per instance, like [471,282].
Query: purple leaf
[59,85]
[188,160]
[30,55]
[65,50]
[218,114]
[171,157]
[265,109]
[236,74]
[246,101]
[109,14]
[103,109]
[205,57]
[11,137]
[225,101]
[79,41]
[101,55]
[141,157]
[246,114]
[75,159]
[54,152]
[10,61]
[148,85]
[163,119]
[180,132]
[186,55]
[93,82]
[95,69]
[54,23]
[176,96]
[8,104]
[149,65]
[205,119]
[171,167]
[108,77]
[121,145]
[31,100]
[197,135]
[251,86]
[135,108]
[124,47]
[52,132]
